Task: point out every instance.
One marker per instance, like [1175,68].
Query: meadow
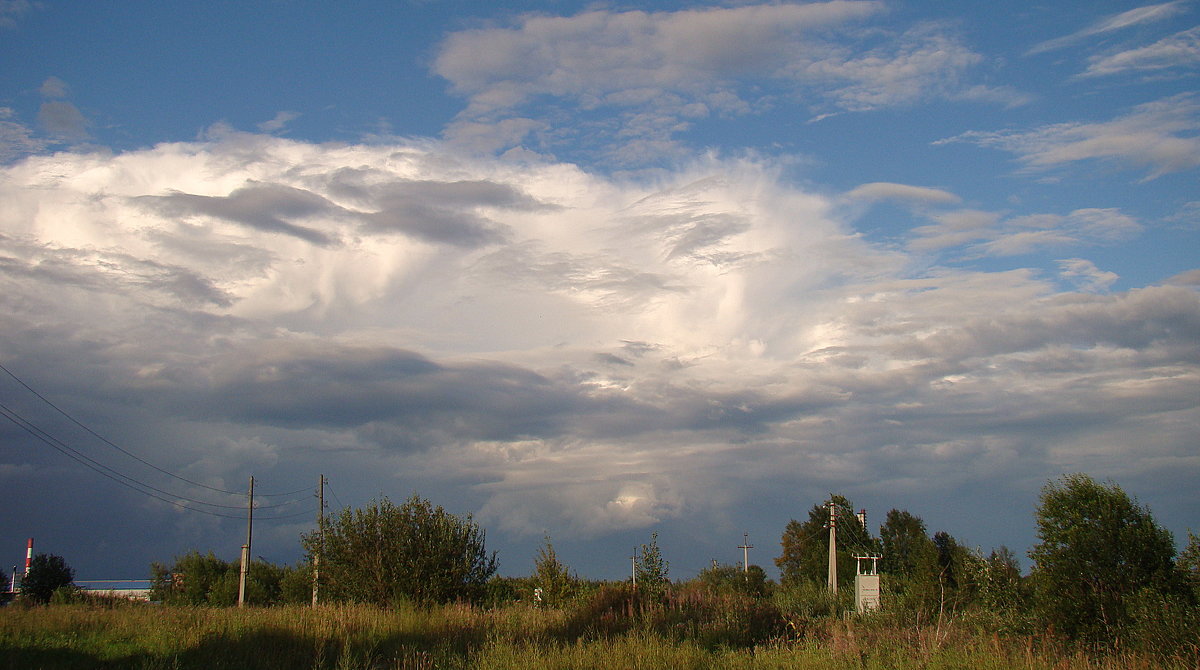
[719,634]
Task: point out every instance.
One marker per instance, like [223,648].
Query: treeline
[1104,576]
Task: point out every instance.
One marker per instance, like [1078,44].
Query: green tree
[906,547]
[651,570]
[552,577]
[805,546]
[262,585]
[204,579]
[384,554]
[1189,564]
[1098,548]
[725,578]
[47,573]
[1000,590]
[192,579]
[295,585]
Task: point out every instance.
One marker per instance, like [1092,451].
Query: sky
[591,271]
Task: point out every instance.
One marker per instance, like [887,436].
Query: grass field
[516,636]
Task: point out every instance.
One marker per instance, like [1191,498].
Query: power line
[135,457]
[123,479]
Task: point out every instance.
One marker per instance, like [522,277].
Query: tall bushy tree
[906,547]
[725,578]
[653,572]
[204,579]
[192,579]
[805,555]
[47,572]
[1098,548]
[1000,590]
[385,554]
[1189,565]
[552,576]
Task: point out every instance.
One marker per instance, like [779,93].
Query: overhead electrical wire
[135,457]
[119,477]
[104,470]
[128,481]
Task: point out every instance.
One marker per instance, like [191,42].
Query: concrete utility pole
[832,546]
[320,537]
[246,547]
[745,546]
[634,567]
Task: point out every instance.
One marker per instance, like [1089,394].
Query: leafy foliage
[47,573]
[384,554]
[1098,549]
[906,547]
[805,555]
[204,579]
[193,579]
[554,580]
[724,578]
[652,571]
[1189,565]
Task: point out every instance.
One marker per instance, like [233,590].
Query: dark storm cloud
[444,212]
[107,271]
[266,207]
[1169,316]
[335,387]
[400,399]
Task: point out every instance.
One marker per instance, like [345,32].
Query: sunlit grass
[460,637]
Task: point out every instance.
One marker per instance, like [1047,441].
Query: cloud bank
[566,351]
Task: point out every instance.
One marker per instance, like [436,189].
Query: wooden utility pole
[320,537]
[745,546]
[246,547]
[832,546]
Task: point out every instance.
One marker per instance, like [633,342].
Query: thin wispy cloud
[1126,19]
[1156,135]
[661,72]
[903,192]
[1181,50]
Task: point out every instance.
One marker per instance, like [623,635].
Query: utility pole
[832,546]
[634,558]
[745,546]
[320,537]
[246,547]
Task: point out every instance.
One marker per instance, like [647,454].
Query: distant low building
[133,589]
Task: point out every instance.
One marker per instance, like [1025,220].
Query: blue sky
[593,270]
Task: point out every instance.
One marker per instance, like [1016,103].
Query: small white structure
[866,583]
[133,589]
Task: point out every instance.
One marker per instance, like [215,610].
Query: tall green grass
[605,632]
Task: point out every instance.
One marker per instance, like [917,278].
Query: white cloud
[662,70]
[279,122]
[923,64]
[1179,50]
[1084,274]
[1126,19]
[891,191]
[562,351]
[54,87]
[1158,135]
[991,234]
[16,139]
